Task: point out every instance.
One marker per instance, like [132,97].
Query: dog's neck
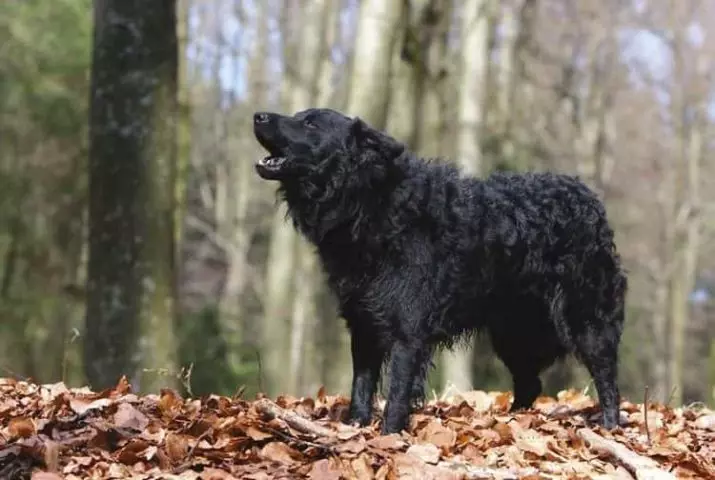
[346,209]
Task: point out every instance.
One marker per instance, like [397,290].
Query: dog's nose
[261,117]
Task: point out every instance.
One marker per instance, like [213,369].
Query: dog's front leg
[367,356]
[404,367]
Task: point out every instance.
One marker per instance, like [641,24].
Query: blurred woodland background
[136,238]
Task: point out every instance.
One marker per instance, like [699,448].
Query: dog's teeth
[271,161]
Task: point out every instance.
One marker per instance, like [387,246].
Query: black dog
[420,257]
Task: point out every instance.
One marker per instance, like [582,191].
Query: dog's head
[301,144]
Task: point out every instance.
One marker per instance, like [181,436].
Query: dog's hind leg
[597,348]
[524,341]
[527,386]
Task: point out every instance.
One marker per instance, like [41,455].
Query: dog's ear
[359,131]
[363,135]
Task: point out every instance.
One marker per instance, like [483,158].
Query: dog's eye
[309,124]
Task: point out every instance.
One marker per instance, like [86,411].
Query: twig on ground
[297,422]
[198,440]
[645,414]
[641,467]
[238,394]
[285,436]
[260,371]
[186,464]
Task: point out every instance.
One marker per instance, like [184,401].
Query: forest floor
[50,432]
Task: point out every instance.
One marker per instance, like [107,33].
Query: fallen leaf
[176,446]
[129,417]
[21,427]
[361,468]
[438,434]
[170,402]
[321,395]
[132,452]
[216,474]
[278,452]
[387,442]
[504,431]
[531,441]
[257,435]
[426,452]
[352,446]
[37,475]
[80,406]
[324,470]
[123,386]
[408,466]
[478,400]
[706,422]
[502,402]
[348,433]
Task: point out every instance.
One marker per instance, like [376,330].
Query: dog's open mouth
[270,167]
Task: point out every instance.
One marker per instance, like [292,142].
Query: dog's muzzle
[264,128]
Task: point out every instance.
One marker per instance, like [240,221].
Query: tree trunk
[132,154]
[683,280]
[474,48]
[159,254]
[304,372]
[292,276]
[371,66]
[332,342]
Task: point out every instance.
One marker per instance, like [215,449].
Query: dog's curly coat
[420,257]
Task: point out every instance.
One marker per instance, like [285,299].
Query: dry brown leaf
[80,406]
[478,400]
[132,452]
[324,469]
[502,402]
[224,437]
[36,475]
[575,399]
[21,427]
[353,446]
[321,395]
[426,452]
[257,435]
[153,432]
[216,474]
[387,442]
[531,441]
[706,422]
[408,466]
[438,434]
[278,452]
[361,468]
[170,402]
[129,417]
[123,387]
[348,433]
[504,431]
[176,446]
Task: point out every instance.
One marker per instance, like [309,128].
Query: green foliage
[205,349]
[44,75]
[44,60]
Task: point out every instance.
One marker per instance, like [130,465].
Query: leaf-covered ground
[51,432]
